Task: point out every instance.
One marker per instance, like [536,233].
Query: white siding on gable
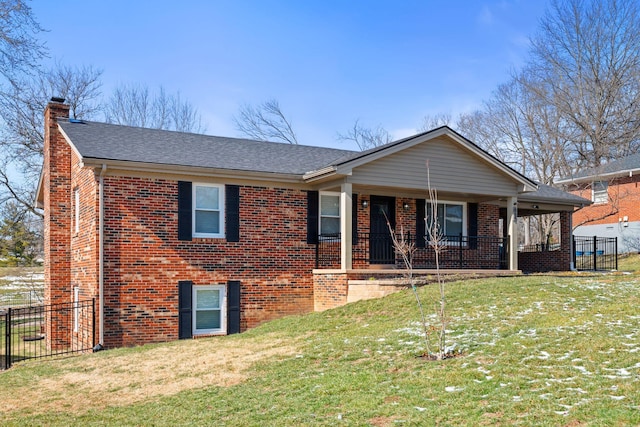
[451,167]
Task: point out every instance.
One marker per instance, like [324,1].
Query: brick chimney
[56,183]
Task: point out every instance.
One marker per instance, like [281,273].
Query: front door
[381,249]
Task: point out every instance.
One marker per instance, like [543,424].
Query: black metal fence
[45,331]
[459,252]
[595,253]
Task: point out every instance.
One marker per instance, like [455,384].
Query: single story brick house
[180,235]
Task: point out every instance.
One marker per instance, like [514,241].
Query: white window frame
[320,216]
[76,308]
[76,210]
[600,196]
[223,310]
[221,201]
[464,218]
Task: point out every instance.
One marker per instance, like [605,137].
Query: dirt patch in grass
[90,382]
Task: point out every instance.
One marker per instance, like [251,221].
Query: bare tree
[366,138]
[20,49]
[437,242]
[135,105]
[586,59]
[430,122]
[22,131]
[266,122]
[406,248]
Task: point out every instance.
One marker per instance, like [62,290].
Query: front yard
[536,350]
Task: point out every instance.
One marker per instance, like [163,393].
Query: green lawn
[536,350]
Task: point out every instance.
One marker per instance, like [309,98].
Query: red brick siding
[144,260]
[624,200]
[84,243]
[560,260]
[330,290]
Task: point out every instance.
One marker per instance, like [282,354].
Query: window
[209,313]
[600,192]
[76,210]
[208,210]
[329,214]
[451,218]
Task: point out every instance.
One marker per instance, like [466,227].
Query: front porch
[375,250]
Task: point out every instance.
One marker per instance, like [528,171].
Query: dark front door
[380,244]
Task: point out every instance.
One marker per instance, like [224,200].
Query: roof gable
[451,169]
[347,165]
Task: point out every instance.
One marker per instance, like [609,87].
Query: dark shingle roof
[124,143]
[627,163]
[546,193]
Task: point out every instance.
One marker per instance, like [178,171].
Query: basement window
[209,313]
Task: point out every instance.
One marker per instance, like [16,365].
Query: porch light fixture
[405,206]
[365,203]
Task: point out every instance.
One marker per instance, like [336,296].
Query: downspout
[100,345]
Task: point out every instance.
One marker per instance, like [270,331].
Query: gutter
[100,345]
[589,178]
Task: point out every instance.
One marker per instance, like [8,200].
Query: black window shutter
[233,307]
[420,223]
[184,210]
[313,206]
[232,194]
[354,220]
[185,313]
[473,225]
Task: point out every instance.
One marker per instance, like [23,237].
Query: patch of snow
[617,397]
[421,409]
[582,369]
[452,389]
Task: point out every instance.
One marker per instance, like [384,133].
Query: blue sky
[328,63]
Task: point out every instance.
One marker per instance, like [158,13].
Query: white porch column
[346,212]
[512,227]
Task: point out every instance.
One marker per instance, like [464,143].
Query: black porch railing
[46,330]
[461,252]
[595,253]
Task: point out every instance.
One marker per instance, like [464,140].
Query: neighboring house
[615,212]
[178,235]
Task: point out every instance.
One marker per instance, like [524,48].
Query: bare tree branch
[266,122]
[134,105]
[435,121]
[366,138]
[20,49]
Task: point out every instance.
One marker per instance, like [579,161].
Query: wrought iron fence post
[460,249]
[93,322]
[595,253]
[7,340]
[615,245]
